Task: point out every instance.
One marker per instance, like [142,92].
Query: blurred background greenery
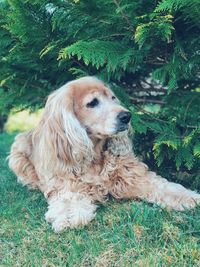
[22,121]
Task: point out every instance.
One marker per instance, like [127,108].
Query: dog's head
[97,108]
[80,111]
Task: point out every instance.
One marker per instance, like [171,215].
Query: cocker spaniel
[80,152]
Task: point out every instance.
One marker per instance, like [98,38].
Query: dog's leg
[156,189]
[69,209]
[19,160]
[134,180]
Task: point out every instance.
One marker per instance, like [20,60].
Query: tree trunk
[3,119]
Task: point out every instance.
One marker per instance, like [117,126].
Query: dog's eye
[113,97]
[93,103]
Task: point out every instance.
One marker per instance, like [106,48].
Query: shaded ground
[124,233]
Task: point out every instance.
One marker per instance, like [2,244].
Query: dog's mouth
[121,128]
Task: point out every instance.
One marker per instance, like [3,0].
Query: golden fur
[76,158]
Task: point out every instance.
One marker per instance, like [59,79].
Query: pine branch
[124,16]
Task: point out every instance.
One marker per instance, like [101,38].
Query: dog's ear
[61,135]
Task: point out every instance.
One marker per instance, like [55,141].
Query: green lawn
[124,233]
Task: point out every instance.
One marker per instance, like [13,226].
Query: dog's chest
[99,172]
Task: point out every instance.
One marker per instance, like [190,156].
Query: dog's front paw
[189,203]
[70,210]
[59,223]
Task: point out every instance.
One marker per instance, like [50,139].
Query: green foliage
[159,27]
[25,77]
[148,51]
[112,55]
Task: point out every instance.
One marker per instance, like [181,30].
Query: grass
[124,233]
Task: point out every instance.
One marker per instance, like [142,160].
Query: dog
[80,153]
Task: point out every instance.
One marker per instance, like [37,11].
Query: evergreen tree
[147,50]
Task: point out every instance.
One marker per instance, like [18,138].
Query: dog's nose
[124,116]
